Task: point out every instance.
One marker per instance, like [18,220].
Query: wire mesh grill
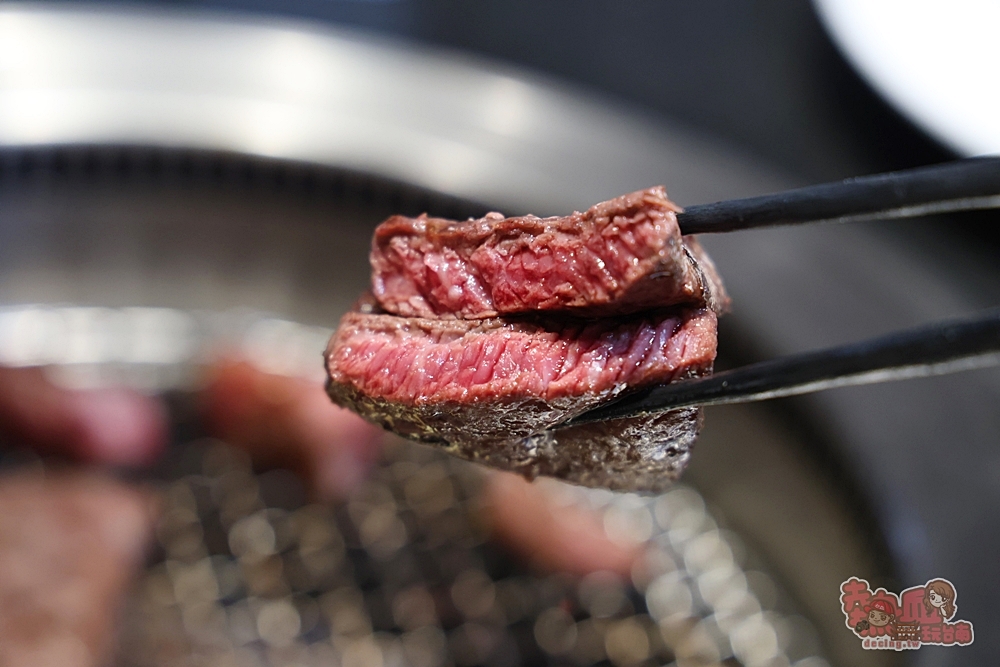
[248,572]
[402,573]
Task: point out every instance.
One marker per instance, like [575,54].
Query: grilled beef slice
[492,390]
[483,336]
[623,255]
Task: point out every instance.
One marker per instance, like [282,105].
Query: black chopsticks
[971,183]
[945,347]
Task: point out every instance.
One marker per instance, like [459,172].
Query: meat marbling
[590,305]
[623,255]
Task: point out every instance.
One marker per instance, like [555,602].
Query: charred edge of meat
[636,454]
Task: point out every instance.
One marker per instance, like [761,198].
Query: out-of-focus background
[763,76]
[179,173]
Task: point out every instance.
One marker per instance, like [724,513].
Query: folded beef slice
[620,256]
[483,337]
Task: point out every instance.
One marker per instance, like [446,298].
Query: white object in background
[938,62]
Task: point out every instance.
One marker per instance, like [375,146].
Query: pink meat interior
[622,255]
[419,361]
